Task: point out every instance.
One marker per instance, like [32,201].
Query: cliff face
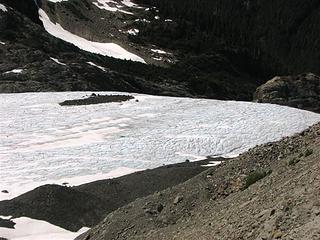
[28,8]
[282,36]
[302,91]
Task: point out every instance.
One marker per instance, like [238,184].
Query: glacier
[43,142]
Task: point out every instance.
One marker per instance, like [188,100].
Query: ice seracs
[106,49]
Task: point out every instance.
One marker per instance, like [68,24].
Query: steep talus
[270,192]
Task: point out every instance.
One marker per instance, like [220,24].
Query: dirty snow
[43,142]
[106,49]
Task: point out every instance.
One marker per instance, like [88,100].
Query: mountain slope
[270,192]
[194,76]
[44,63]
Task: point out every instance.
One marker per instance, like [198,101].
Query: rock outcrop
[302,91]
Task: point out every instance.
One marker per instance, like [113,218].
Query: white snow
[106,49]
[57,61]
[158,58]
[97,66]
[42,142]
[16,71]
[168,20]
[158,51]
[157,17]
[55,1]
[133,32]
[128,3]
[106,5]
[3,8]
[3,43]
[31,229]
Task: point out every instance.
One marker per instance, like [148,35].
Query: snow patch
[128,3]
[212,164]
[57,61]
[106,5]
[3,8]
[2,43]
[97,66]
[105,49]
[133,32]
[56,1]
[158,58]
[31,229]
[16,71]
[158,51]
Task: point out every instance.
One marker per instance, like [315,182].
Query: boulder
[301,91]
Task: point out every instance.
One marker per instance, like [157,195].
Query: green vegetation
[293,161]
[255,176]
[308,152]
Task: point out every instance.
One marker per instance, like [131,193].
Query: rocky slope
[302,91]
[270,192]
[37,52]
[33,60]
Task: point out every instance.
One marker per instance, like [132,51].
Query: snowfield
[42,142]
[105,49]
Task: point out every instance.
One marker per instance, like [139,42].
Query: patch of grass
[254,177]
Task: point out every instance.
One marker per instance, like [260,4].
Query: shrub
[293,161]
[254,177]
[308,152]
